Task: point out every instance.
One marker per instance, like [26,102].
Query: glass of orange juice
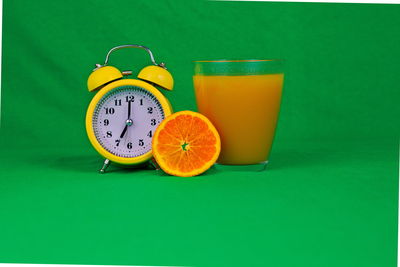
[242,99]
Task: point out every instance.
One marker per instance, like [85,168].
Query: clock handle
[133,46]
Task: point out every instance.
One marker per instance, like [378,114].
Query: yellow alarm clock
[124,113]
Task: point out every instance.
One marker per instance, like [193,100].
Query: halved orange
[186,144]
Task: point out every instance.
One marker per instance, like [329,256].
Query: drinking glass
[242,99]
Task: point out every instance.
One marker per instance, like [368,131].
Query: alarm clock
[125,112]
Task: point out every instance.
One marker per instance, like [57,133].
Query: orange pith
[186,144]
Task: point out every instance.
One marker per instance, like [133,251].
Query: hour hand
[123,132]
[128,122]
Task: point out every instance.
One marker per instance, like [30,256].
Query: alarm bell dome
[157,75]
[101,76]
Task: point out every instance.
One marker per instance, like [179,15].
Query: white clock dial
[125,119]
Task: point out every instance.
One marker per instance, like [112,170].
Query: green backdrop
[328,198]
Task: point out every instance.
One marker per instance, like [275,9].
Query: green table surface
[315,205]
[328,197]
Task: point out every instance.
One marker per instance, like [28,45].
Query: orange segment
[186,144]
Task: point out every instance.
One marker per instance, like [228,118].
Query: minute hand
[127,122]
[129,109]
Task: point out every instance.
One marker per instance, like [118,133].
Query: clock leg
[154,164]
[105,166]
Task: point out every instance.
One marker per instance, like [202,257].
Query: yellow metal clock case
[166,106]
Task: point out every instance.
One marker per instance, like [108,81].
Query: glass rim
[235,60]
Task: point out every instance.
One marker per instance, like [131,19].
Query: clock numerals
[110,110]
[112,121]
[117,142]
[130,98]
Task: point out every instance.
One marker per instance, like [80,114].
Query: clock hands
[123,132]
[128,122]
[129,110]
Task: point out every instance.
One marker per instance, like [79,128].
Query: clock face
[125,119]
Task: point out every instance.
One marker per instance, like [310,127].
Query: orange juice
[244,109]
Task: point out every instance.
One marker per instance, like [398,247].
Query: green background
[328,198]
